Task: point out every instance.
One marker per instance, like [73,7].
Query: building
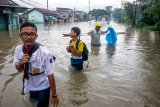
[39,15]
[80,16]
[9,14]
[64,14]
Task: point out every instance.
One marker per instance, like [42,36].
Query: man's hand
[67,48]
[89,33]
[54,97]
[25,58]
[55,101]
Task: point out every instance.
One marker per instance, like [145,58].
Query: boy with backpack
[78,49]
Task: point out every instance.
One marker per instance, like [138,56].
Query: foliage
[129,8]
[119,15]
[85,16]
[144,13]
[157,26]
[97,12]
[151,15]
[141,13]
[151,28]
[108,11]
[101,12]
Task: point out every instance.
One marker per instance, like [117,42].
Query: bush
[151,28]
[157,26]
[140,24]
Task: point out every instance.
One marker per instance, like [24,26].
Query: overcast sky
[80,4]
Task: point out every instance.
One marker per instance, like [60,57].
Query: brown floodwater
[124,75]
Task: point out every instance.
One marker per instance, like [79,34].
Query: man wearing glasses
[37,63]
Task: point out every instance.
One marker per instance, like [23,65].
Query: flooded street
[124,75]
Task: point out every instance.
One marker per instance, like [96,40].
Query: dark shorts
[77,63]
[41,96]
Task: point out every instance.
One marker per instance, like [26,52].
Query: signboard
[7,11]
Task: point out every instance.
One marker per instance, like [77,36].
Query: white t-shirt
[95,37]
[41,62]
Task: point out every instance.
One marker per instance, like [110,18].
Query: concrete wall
[3,21]
[9,21]
[36,16]
[14,20]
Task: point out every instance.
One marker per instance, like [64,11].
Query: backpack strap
[71,41]
[77,43]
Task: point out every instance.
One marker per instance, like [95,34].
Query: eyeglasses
[25,34]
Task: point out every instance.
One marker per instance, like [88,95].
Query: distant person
[95,35]
[76,48]
[38,66]
[111,36]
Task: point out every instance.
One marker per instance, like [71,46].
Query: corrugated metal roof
[28,4]
[7,2]
[11,4]
[45,12]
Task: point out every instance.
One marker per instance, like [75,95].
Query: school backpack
[85,50]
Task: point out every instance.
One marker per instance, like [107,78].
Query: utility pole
[74,10]
[89,4]
[47,13]
[135,13]
[89,10]
[47,4]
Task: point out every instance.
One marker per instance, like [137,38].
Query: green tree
[151,14]
[119,15]
[97,13]
[144,13]
[85,16]
[129,8]
[108,11]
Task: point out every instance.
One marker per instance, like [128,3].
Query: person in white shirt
[95,35]
[37,63]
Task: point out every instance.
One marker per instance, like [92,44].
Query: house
[80,16]
[39,15]
[64,14]
[9,14]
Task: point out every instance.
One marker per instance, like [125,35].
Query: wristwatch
[53,96]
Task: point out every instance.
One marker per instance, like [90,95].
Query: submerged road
[124,75]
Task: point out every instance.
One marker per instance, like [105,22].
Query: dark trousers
[77,63]
[41,96]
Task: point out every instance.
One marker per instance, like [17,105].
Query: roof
[11,4]
[59,9]
[8,2]
[45,11]
[29,4]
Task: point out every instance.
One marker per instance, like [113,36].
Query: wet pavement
[124,75]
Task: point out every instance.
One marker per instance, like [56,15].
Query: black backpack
[85,50]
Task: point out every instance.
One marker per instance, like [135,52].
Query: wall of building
[36,16]
[3,21]
[9,21]
[14,20]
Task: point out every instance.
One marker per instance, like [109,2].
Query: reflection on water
[95,50]
[78,87]
[124,75]
[110,50]
[7,41]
